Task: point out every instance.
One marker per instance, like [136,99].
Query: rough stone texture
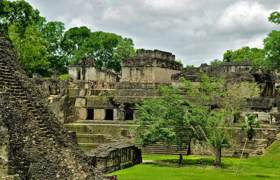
[141,78]
[231,71]
[115,156]
[86,70]
[39,146]
[150,66]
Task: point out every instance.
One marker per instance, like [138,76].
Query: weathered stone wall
[92,74]
[50,87]
[3,149]
[147,74]
[39,146]
[115,156]
[150,66]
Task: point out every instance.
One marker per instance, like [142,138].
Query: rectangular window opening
[79,75]
[109,114]
[90,114]
[128,113]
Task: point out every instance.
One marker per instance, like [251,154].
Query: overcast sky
[196,31]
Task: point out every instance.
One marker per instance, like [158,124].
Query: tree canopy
[275,17]
[191,112]
[272,45]
[254,55]
[45,47]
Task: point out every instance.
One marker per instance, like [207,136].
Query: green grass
[164,167]
[64,77]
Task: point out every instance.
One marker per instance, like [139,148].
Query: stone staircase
[40,147]
[90,134]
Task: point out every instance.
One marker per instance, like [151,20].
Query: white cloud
[245,16]
[195,31]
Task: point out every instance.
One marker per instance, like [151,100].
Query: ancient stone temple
[115,156]
[104,109]
[39,147]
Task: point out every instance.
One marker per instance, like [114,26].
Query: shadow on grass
[262,176]
[207,161]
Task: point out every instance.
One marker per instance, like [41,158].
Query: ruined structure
[106,109]
[115,156]
[39,147]
[99,107]
[237,71]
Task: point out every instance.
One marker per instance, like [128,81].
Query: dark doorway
[79,75]
[90,114]
[128,113]
[109,114]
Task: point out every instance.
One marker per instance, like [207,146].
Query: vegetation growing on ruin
[191,113]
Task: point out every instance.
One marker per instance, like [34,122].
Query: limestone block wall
[73,72]
[147,74]
[91,74]
[98,75]
[114,156]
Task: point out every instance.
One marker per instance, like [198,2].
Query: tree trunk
[180,162]
[218,156]
[189,151]
[269,90]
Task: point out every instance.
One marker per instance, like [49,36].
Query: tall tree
[19,13]
[53,32]
[73,40]
[272,57]
[107,49]
[124,50]
[162,119]
[253,55]
[31,48]
[275,17]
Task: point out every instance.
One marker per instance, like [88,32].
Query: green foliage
[100,46]
[272,50]
[107,49]
[217,134]
[250,123]
[177,118]
[255,55]
[64,77]
[272,45]
[73,40]
[54,49]
[216,62]
[31,49]
[162,119]
[19,13]
[275,17]
[53,32]
[124,50]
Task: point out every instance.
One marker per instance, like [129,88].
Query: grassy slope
[165,168]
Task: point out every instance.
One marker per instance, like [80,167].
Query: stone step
[93,138]
[118,130]
[88,147]
[105,122]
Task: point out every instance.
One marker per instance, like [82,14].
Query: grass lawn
[164,167]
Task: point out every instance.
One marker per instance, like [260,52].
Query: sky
[196,31]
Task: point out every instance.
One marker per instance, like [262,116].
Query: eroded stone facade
[39,147]
[105,111]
